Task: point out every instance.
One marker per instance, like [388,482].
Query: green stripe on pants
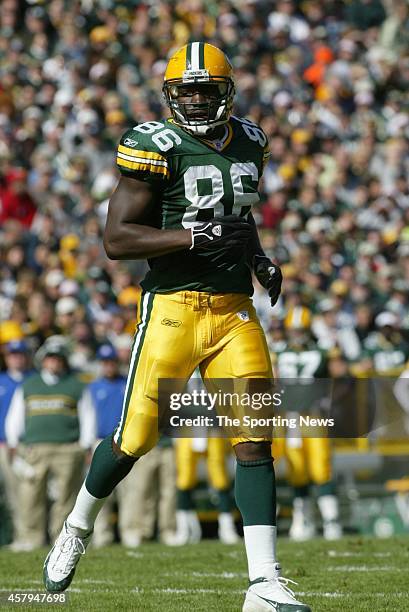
[146,310]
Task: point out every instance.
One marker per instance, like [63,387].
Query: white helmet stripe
[195,56]
[297,317]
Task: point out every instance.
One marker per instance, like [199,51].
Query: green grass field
[354,575]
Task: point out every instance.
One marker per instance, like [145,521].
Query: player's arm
[267,273]
[254,245]
[128,233]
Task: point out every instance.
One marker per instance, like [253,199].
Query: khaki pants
[157,491]
[10,482]
[64,464]
[148,491]
[126,495]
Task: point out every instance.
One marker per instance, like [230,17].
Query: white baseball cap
[386,319]
[66,305]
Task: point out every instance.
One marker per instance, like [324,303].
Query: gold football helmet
[199,67]
[298,317]
[297,325]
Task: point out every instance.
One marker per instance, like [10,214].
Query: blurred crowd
[326,80]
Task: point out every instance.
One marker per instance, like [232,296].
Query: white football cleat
[169,538]
[303,525]
[329,508]
[60,564]
[272,595]
[227,529]
[195,530]
[188,530]
[302,532]
[332,530]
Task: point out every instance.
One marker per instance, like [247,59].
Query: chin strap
[202,130]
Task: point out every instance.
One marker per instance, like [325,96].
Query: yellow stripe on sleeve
[143,167]
[138,153]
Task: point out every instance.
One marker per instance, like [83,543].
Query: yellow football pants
[308,459]
[177,333]
[187,458]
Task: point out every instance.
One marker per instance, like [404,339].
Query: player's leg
[318,451]
[278,448]
[278,452]
[136,434]
[220,482]
[303,524]
[244,354]
[188,528]
[153,357]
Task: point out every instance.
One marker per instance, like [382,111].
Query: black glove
[268,275]
[221,233]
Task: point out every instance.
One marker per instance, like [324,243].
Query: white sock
[182,522]
[85,511]
[328,505]
[303,509]
[260,542]
[225,519]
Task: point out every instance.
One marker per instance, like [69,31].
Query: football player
[189,451]
[309,459]
[183,202]
[386,346]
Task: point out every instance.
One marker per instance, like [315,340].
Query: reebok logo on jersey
[217,230]
[128,142]
[243,315]
[171,323]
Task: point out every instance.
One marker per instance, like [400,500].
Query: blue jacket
[107,396]
[7,387]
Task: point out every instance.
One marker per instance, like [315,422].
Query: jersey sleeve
[257,142]
[138,157]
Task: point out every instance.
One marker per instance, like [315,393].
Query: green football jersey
[197,179]
[388,356]
[301,373]
[307,362]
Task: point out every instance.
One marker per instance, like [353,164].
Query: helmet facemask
[200,117]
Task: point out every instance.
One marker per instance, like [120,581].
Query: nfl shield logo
[243,315]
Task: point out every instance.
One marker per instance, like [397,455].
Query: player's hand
[269,276]
[221,233]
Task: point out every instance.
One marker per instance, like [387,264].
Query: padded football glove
[221,233]
[269,276]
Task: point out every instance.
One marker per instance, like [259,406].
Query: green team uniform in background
[300,367]
[196,179]
[388,358]
[52,410]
